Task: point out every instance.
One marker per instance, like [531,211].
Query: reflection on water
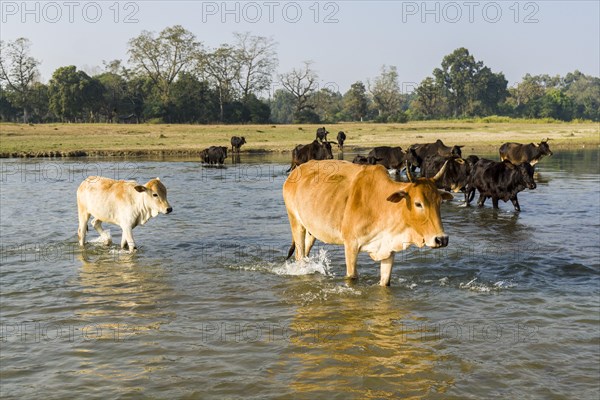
[357,345]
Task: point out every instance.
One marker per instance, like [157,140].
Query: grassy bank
[185,140]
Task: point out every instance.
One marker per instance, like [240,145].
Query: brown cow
[362,208]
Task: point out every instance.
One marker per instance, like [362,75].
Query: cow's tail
[291,250]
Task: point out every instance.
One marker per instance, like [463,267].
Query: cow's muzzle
[169,210]
[532,186]
[441,241]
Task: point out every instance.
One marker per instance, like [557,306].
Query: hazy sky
[347,40]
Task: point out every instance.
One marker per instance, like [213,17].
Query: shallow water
[207,308]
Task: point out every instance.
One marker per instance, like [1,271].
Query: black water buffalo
[456,176]
[322,134]
[236,143]
[341,138]
[500,181]
[362,160]
[391,157]
[530,153]
[204,156]
[424,150]
[313,151]
[216,155]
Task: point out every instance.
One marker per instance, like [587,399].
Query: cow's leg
[515,202]
[386,270]
[481,200]
[495,202]
[84,216]
[351,251]
[308,242]
[97,224]
[127,239]
[298,236]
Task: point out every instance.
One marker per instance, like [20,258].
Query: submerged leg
[351,251]
[97,224]
[386,270]
[515,202]
[127,239]
[82,229]
[309,242]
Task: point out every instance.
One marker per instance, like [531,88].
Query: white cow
[123,203]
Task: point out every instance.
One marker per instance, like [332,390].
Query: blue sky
[346,40]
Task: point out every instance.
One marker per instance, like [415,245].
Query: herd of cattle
[501,180]
[496,180]
[366,211]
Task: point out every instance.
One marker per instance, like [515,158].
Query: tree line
[171,77]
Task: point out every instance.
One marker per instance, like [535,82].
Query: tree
[489,92]
[584,91]
[355,102]
[222,68]
[74,95]
[18,71]
[301,83]
[328,105]
[282,107]
[163,57]
[193,101]
[386,94]
[257,60]
[456,77]
[430,101]
[115,87]
[469,87]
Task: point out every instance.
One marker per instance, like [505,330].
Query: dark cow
[341,138]
[236,143]
[456,175]
[216,155]
[424,150]
[362,160]
[531,153]
[322,134]
[391,157]
[500,181]
[204,156]
[314,151]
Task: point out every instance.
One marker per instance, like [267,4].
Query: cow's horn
[408,174]
[440,172]
[545,140]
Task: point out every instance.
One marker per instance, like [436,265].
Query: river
[207,308]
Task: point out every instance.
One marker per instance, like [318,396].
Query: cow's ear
[140,188]
[398,196]
[445,195]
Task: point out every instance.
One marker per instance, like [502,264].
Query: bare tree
[162,58]
[18,70]
[221,67]
[257,60]
[301,83]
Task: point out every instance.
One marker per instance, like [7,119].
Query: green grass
[107,139]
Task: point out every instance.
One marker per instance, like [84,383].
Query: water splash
[319,263]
